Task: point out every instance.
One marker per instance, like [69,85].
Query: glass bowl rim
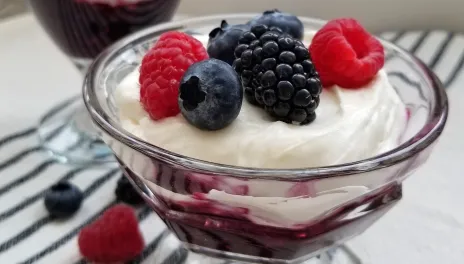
[425,136]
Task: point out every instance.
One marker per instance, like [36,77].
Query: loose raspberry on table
[346,54]
[114,237]
[161,70]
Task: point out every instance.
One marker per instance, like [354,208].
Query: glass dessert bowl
[265,215]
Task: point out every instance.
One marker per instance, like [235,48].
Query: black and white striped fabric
[28,235]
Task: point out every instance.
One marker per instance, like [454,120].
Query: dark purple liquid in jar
[83,28]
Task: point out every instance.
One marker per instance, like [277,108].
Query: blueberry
[126,193]
[223,40]
[63,199]
[210,94]
[289,23]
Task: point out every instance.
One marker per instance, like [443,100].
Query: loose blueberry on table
[63,199]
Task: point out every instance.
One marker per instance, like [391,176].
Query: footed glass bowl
[253,215]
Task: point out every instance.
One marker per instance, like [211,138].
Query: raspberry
[161,70]
[114,237]
[345,54]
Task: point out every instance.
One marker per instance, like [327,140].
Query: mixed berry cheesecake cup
[271,215]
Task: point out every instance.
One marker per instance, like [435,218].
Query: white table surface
[427,227]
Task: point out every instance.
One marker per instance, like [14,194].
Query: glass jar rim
[424,138]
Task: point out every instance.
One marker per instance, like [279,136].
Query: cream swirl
[351,124]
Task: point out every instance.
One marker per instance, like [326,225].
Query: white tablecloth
[427,227]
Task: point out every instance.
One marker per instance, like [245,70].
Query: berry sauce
[205,224]
[244,237]
[83,28]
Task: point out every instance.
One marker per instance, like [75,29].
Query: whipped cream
[351,124]
[287,212]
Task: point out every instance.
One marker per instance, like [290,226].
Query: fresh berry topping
[279,76]
[63,199]
[345,54]
[161,70]
[223,40]
[114,237]
[289,23]
[210,94]
[126,193]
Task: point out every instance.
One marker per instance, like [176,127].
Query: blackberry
[277,74]
[126,193]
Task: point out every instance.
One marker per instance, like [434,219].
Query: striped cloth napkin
[28,235]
